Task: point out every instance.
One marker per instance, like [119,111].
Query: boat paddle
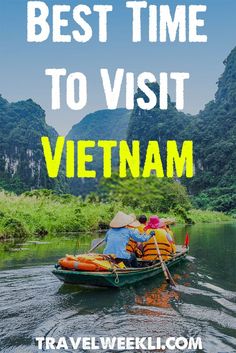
[165,269]
[96,243]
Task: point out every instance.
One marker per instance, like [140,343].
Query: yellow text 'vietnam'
[80,155]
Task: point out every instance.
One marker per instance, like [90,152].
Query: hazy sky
[23,64]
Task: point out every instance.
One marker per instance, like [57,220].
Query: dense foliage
[149,194]
[39,212]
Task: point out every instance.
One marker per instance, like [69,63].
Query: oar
[165,269]
[96,245]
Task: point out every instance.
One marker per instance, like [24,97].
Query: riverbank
[35,214]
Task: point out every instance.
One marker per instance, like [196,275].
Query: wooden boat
[117,278]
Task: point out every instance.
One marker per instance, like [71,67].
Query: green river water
[34,303]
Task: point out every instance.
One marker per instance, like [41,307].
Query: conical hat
[121,220]
[168,221]
[135,222]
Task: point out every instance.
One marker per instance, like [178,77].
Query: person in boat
[118,237]
[143,222]
[168,222]
[166,246]
[133,247]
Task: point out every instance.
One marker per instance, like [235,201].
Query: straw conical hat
[135,222]
[168,221]
[121,220]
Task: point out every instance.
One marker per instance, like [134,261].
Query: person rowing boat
[163,238]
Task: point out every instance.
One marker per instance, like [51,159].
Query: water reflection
[34,303]
[161,297]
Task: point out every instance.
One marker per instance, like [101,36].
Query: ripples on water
[34,303]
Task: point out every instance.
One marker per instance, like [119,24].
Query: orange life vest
[149,247]
[132,247]
[88,262]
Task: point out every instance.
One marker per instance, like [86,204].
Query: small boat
[117,277]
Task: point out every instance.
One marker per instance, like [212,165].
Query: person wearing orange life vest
[165,243]
[134,246]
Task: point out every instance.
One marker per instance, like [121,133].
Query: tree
[149,194]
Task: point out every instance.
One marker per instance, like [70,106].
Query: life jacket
[132,247]
[149,247]
[141,228]
[89,262]
[132,244]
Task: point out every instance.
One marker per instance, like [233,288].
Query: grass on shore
[205,216]
[24,216]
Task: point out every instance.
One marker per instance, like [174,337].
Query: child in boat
[166,246]
[143,221]
[118,237]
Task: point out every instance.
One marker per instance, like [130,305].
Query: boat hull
[115,279]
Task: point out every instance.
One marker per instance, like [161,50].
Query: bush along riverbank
[40,212]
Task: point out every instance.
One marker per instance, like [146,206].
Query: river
[34,303]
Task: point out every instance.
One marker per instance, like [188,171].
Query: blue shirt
[118,238]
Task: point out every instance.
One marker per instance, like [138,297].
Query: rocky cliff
[22,164]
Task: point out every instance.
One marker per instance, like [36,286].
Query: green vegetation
[200,216]
[165,197]
[42,211]
[148,194]
[214,135]
[219,199]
